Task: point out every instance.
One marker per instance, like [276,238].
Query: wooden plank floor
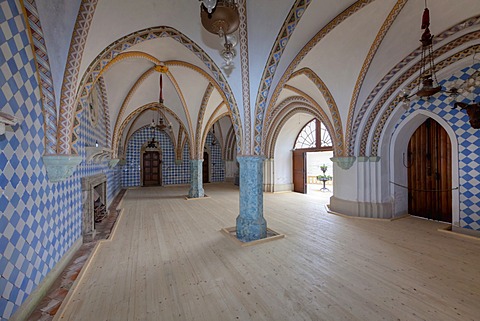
[168,260]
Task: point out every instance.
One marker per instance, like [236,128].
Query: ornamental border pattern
[374,114]
[66,123]
[106,111]
[118,46]
[263,110]
[289,25]
[331,104]
[243,33]
[287,113]
[47,91]
[366,65]
[393,72]
[445,63]
[143,77]
[143,108]
[201,114]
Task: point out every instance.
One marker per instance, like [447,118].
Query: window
[314,136]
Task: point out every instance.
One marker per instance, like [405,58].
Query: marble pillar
[250,222]
[196,179]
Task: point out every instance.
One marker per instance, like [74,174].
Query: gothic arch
[66,133]
[398,172]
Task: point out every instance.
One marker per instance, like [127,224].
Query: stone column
[250,222]
[196,179]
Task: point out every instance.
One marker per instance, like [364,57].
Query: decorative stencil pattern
[171,173]
[242,10]
[117,47]
[366,64]
[356,131]
[387,112]
[468,147]
[72,69]
[39,220]
[261,108]
[279,46]
[45,75]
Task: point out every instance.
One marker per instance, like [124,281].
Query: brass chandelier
[221,17]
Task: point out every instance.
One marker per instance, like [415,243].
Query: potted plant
[324,178]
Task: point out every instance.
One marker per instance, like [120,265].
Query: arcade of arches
[101,99]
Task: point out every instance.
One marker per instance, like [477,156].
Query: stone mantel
[89,182]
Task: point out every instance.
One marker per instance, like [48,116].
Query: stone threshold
[231,233]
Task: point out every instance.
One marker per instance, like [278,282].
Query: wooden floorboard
[168,260]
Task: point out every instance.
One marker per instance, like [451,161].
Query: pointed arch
[262,108]
[398,172]
[331,104]
[45,80]
[116,48]
[390,103]
[378,93]
[366,65]
[201,114]
[142,109]
[291,107]
[69,106]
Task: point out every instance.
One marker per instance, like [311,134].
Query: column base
[196,193]
[250,230]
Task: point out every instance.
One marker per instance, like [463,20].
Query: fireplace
[94,198]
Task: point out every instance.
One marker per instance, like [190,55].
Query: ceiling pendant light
[223,21]
[209,5]
[429,86]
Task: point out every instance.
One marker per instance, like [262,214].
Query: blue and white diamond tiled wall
[90,131]
[171,172]
[468,147]
[39,221]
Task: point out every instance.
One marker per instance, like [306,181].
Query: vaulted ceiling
[332,50]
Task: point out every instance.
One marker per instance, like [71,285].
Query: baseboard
[27,307]
[361,209]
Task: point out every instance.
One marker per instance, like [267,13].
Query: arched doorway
[151,164]
[313,138]
[429,169]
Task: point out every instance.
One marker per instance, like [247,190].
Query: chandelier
[160,123]
[221,17]
[428,84]
[214,139]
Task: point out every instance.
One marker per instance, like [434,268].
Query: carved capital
[113,162]
[344,162]
[60,167]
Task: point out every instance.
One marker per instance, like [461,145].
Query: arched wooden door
[429,165]
[152,170]
[205,168]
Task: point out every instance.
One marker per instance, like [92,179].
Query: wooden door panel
[205,168]
[299,177]
[151,168]
[430,172]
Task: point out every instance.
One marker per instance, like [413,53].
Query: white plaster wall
[284,146]
[345,186]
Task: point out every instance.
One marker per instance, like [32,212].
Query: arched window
[314,135]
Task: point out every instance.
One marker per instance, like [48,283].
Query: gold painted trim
[397,8]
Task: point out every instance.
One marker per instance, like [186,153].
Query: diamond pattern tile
[171,173]
[469,147]
[39,221]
